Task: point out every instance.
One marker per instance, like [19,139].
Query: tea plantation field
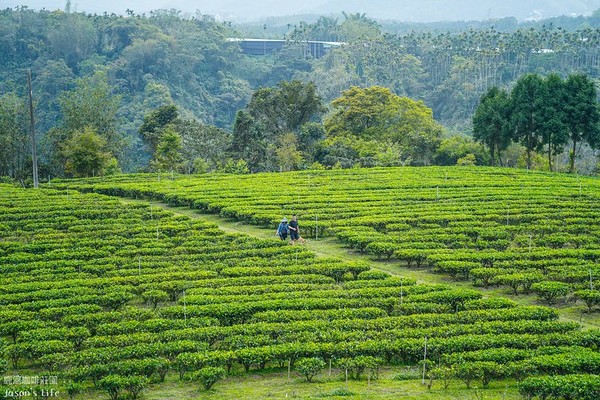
[131,300]
[528,231]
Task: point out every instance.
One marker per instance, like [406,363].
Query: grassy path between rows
[331,247]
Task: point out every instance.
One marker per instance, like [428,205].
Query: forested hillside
[109,73]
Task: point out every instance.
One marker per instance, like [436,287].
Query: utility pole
[424,361]
[264,39]
[32,132]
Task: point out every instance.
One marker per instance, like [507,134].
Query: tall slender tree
[14,138]
[527,105]
[554,128]
[582,114]
[490,122]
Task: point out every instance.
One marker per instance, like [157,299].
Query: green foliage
[15,353]
[115,299]
[155,297]
[550,291]
[155,122]
[490,370]
[288,155]
[86,154]
[582,113]
[91,104]
[272,115]
[309,367]
[14,136]
[490,122]
[468,223]
[486,275]
[200,165]
[584,387]
[519,280]
[135,385]
[374,117]
[373,275]
[73,39]
[208,376]
[590,297]
[358,26]
[202,142]
[539,114]
[457,147]
[554,127]
[235,167]
[317,166]
[168,151]
[468,372]
[468,160]
[356,366]
[256,304]
[16,326]
[443,373]
[528,102]
[113,385]
[73,389]
[142,63]
[3,366]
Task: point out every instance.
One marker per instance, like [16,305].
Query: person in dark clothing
[283,229]
[295,230]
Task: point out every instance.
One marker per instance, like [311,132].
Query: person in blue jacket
[283,229]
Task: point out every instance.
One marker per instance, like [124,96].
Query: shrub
[516,280]
[549,291]
[591,298]
[208,376]
[134,385]
[581,387]
[113,385]
[373,275]
[357,365]
[73,389]
[485,275]
[309,367]
[155,296]
[467,372]
[443,373]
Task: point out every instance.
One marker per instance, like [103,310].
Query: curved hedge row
[133,291]
[454,220]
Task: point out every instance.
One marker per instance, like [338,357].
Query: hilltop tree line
[542,114]
[97,78]
[283,128]
[286,127]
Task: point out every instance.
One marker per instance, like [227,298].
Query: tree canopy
[491,122]
[542,114]
[108,72]
[86,154]
[271,114]
[375,117]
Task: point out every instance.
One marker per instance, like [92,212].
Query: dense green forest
[169,91]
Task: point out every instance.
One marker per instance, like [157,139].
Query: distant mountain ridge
[401,10]
[457,10]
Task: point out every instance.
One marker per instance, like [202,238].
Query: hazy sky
[403,10]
